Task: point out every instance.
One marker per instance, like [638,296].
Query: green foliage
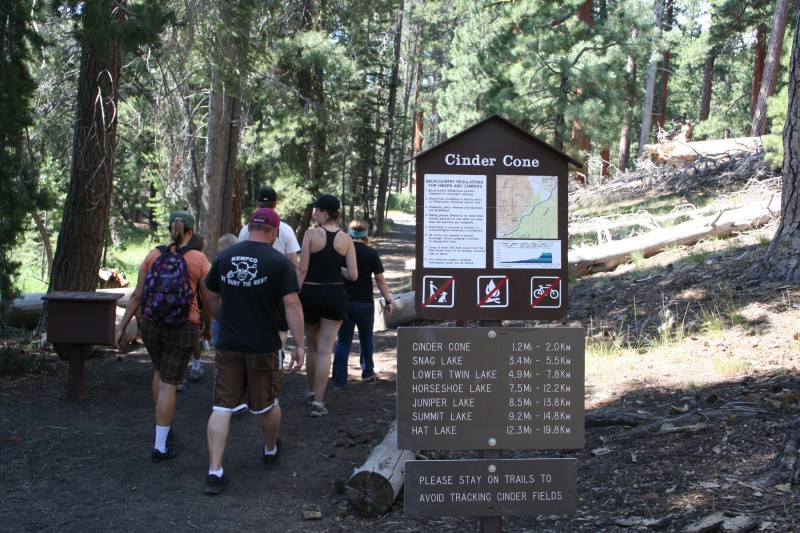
[503,62]
[17,174]
[777,107]
[405,202]
[15,360]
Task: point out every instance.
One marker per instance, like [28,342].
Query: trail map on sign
[527,207]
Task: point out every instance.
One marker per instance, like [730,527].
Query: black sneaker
[215,484]
[158,456]
[271,461]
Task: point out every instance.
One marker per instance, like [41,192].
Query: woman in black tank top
[327,257]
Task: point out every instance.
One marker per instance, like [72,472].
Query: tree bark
[374,486]
[83,226]
[760,54]
[674,151]
[771,66]
[782,260]
[624,136]
[647,107]
[609,256]
[705,90]
[661,108]
[222,148]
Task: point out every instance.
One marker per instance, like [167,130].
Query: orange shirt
[198,270]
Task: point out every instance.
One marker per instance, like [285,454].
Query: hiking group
[247,301]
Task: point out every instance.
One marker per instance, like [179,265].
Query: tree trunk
[311,98]
[782,260]
[383,179]
[606,257]
[771,66]
[83,226]
[222,147]
[647,107]
[585,15]
[760,53]
[374,486]
[418,128]
[624,136]
[661,108]
[673,151]
[705,90]
[48,246]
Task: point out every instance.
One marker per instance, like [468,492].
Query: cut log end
[370,493]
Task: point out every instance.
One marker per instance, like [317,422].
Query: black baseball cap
[267,194]
[326,202]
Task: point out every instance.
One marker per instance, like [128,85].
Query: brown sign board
[492,226]
[490,388]
[491,487]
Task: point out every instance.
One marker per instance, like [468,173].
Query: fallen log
[605,258]
[676,151]
[373,487]
[403,310]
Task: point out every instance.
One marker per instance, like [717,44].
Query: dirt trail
[85,466]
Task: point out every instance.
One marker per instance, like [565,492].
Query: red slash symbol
[437,293]
[545,292]
[494,291]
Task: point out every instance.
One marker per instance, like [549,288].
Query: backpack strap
[182,250]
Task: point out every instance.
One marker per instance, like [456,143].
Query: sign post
[491,246]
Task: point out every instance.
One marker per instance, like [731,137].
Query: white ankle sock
[273,452]
[161,438]
[195,364]
[217,473]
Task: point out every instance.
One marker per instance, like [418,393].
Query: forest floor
[692,375]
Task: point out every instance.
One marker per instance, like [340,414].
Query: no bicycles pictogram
[545,292]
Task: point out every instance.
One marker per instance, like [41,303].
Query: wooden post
[75,380]
[374,486]
[491,524]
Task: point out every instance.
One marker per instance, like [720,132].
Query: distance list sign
[490,388]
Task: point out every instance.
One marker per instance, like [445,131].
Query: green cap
[188,219]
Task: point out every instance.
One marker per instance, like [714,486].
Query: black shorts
[323,301]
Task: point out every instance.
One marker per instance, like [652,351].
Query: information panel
[490,388]
[492,214]
[487,487]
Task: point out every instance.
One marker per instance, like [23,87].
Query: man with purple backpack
[166,291]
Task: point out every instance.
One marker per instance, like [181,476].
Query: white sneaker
[318,410]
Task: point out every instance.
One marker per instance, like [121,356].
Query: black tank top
[325,266]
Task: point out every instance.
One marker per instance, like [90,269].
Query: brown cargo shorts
[251,380]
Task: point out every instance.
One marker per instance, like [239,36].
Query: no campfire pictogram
[493,291]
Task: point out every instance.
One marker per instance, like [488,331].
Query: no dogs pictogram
[438,291]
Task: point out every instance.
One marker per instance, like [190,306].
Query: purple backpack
[167,295]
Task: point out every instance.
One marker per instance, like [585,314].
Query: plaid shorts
[243,379]
[170,348]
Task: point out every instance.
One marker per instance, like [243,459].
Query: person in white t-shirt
[286,243]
